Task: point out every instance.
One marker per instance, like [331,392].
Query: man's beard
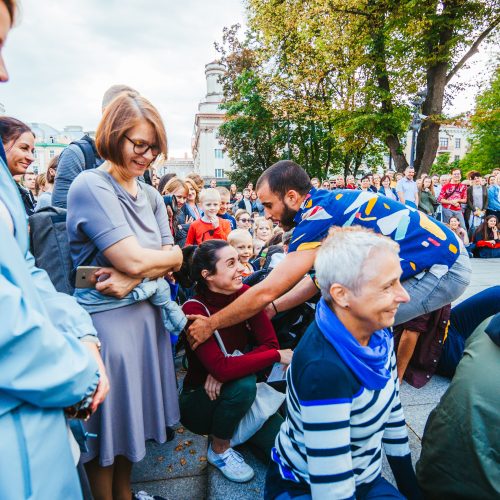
[286,219]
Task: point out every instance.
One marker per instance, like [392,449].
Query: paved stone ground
[178,470]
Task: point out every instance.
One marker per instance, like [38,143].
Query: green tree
[369,57]
[484,154]
[442,164]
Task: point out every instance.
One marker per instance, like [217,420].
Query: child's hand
[215,222]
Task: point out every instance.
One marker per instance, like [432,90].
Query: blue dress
[43,366]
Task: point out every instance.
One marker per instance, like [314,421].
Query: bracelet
[274,307]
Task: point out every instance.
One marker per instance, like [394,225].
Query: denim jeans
[429,292]
[447,214]
[464,319]
[379,489]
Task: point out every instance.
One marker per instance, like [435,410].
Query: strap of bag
[216,333]
[89,152]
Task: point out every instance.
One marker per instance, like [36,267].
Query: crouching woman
[218,389]
[343,392]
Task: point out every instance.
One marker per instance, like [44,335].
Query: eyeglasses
[245,221]
[141,148]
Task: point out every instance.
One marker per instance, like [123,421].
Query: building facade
[209,158]
[50,142]
[179,166]
[453,139]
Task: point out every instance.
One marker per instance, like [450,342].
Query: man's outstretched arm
[281,279]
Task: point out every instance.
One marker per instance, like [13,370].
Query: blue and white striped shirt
[332,437]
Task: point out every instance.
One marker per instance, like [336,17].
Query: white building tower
[210,160]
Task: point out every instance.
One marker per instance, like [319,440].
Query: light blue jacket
[43,367]
[156,291]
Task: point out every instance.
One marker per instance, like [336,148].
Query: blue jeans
[429,292]
[378,489]
[464,319]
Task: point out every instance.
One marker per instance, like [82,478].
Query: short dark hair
[283,176]
[11,129]
[367,177]
[205,258]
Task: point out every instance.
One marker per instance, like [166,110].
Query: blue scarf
[366,362]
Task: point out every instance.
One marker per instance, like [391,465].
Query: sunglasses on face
[141,147]
[245,221]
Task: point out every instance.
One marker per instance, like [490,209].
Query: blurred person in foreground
[48,354]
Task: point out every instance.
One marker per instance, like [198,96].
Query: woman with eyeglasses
[121,226]
[243,220]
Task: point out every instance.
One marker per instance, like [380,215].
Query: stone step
[176,470]
[220,488]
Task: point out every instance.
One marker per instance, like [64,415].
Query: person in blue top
[436,267]
[46,360]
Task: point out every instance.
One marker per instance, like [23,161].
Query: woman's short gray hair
[342,257]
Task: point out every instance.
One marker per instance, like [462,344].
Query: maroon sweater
[208,357]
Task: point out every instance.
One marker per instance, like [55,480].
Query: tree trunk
[439,38]
[400,162]
[428,137]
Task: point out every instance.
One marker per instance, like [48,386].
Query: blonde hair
[237,235]
[197,178]
[240,212]
[191,184]
[258,220]
[174,184]
[209,193]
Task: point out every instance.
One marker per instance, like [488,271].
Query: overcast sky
[66,53]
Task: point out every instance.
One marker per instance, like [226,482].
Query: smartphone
[85,276]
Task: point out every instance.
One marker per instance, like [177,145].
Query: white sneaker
[231,464]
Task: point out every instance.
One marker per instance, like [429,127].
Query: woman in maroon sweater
[218,390]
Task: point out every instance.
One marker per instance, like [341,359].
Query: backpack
[87,146]
[49,243]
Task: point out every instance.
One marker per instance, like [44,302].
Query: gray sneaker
[231,464]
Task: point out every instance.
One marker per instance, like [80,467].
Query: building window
[457,143]
[457,157]
[219,173]
[219,153]
[443,142]
[52,153]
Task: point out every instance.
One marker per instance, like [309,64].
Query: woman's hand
[103,386]
[285,356]
[116,284]
[212,387]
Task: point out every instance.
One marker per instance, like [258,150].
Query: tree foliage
[354,64]
[484,154]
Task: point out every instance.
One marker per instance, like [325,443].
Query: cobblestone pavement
[178,470]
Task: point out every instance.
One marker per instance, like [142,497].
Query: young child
[209,227]
[241,241]
[263,229]
[225,196]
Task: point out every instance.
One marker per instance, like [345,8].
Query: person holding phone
[112,216]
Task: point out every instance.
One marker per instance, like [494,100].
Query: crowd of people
[298,276]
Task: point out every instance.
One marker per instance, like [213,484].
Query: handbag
[267,399]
